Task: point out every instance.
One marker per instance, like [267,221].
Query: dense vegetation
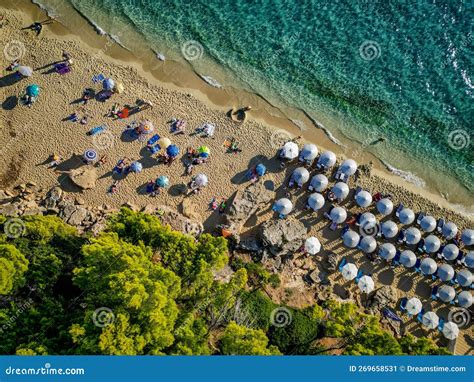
[140,288]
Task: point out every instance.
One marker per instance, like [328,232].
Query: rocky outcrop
[179,222]
[84,177]
[382,297]
[283,236]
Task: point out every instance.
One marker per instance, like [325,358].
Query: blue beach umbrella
[162,181]
[136,167]
[260,169]
[108,84]
[33,90]
[90,155]
[172,150]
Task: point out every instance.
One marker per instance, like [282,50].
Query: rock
[283,236]
[223,275]
[188,209]
[384,296]
[131,206]
[53,197]
[78,216]
[10,209]
[79,201]
[31,184]
[84,177]
[149,209]
[179,222]
[249,244]
[34,211]
[332,262]
[4,196]
[318,277]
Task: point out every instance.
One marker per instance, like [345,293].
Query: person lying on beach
[15,64]
[330,196]
[114,111]
[120,166]
[87,95]
[3,21]
[114,187]
[55,160]
[67,58]
[29,100]
[213,204]
[178,127]
[189,169]
[101,161]
[38,25]
[84,119]
[145,104]
[191,153]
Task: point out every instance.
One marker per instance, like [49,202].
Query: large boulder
[283,236]
[179,222]
[84,177]
[382,297]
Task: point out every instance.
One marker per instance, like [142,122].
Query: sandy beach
[30,136]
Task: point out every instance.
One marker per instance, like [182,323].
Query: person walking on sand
[379,140]
[38,25]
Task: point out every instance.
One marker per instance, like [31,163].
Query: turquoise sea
[402,70]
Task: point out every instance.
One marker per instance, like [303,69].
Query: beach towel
[98,78]
[62,68]
[153,140]
[154,149]
[96,130]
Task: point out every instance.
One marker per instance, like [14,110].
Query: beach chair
[359,275]
[154,149]
[439,226]
[417,266]
[98,78]
[434,293]
[333,226]
[403,304]
[96,130]
[440,324]
[421,215]
[397,212]
[342,263]
[396,259]
[419,316]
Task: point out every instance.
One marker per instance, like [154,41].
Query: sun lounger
[403,304]
[419,316]
[440,225]
[333,226]
[342,263]
[153,140]
[400,207]
[96,130]
[417,266]
[154,149]
[359,275]
[98,78]
[434,293]
[440,324]
[421,215]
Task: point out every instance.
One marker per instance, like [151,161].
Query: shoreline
[213,98]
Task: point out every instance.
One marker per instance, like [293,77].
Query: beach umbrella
[318,183]
[469,259]
[300,175]
[432,244]
[467,237]
[316,201]
[327,159]
[108,84]
[201,180]
[164,142]
[366,284]
[407,258]
[338,215]
[406,216]
[449,230]
[465,299]
[204,150]
[350,239]
[348,167]
[387,251]
[412,236]
[172,150]
[389,229]
[385,206]
[445,272]
[363,199]
[33,90]
[367,220]
[430,320]
[464,278]
[290,150]
[450,252]
[283,206]
[413,306]
[428,266]
[450,330]
[368,244]
[312,245]
[119,88]
[446,293]
[25,71]
[341,190]
[349,271]
[309,152]
[260,169]
[162,181]
[90,155]
[146,127]
[136,167]
[428,224]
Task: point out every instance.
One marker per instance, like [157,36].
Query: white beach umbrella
[465,299]
[367,219]
[432,244]
[366,284]
[464,278]
[428,224]
[389,229]
[446,293]
[312,245]
[283,206]
[450,330]
[318,183]
[368,244]
[338,215]
[350,239]
[316,201]
[327,159]
[300,175]
[201,180]
[25,71]
[349,271]
[387,251]
[363,199]
[412,236]
[469,259]
[309,152]
[445,272]
[414,306]
[430,320]
[450,251]
[449,230]
[428,266]
[407,258]
[406,216]
[467,237]
[385,206]
[341,190]
[348,167]
[290,150]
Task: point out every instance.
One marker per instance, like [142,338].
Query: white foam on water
[406,175]
[211,81]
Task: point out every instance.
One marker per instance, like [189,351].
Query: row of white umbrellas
[365,283]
